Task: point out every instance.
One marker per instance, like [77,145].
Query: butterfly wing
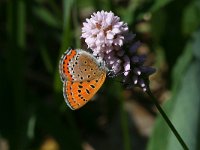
[77,94]
[64,63]
[78,65]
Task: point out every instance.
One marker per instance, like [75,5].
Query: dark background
[33,115]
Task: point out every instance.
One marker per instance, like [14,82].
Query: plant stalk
[169,123]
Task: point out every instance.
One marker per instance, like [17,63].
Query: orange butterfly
[82,75]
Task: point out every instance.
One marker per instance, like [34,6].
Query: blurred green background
[33,114]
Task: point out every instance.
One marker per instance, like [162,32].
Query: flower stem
[169,123]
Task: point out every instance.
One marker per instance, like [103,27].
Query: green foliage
[159,5]
[45,15]
[191,16]
[183,107]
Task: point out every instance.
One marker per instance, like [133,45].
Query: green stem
[173,129]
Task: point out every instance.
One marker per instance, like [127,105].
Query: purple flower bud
[127,66]
[135,59]
[142,59]
[147,70]
[138,59]
[144,89]
[129,37]
[141,83]
[135,79]
[137,71]
[134,47]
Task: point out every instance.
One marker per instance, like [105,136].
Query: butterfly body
[82,75]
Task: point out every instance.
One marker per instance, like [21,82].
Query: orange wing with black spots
[64,62]
[77,94]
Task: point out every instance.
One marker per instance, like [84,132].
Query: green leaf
[191,15]
[186,109]
[158,24]
[128,14]
[184,106]
[196,45]
[46,58]
[182,63]
[47,17]
[159,4]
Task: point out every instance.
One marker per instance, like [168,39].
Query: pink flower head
[103,32]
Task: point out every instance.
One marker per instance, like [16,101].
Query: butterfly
[82,75]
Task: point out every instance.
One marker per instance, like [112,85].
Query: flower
[103,32]
[138,74]
[109,39]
